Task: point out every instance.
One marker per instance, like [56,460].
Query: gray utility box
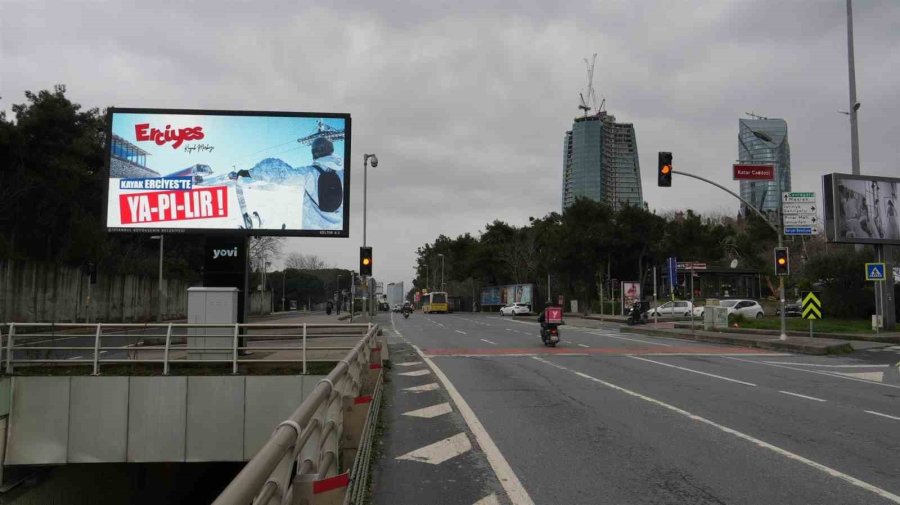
[714,316]
[211,306]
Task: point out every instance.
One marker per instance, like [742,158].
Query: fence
[165,344]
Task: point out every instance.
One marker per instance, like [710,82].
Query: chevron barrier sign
[812,307]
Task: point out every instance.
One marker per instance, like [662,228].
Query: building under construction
[600,162]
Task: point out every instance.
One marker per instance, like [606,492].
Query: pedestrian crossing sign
[874,271]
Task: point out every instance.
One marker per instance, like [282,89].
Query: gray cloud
[466,102]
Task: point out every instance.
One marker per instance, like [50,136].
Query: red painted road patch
[609,351]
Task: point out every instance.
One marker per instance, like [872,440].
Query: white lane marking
[415,373]
[441,325]
[460,331]
[822,365]
[438,452]
[490,499]
[692,370]
[488,341]
[582,345]
[75,357]
[424,387]
[632,339]
[409,363]
[882,415]
[430,412]
[820,372]
[101,352]
[505,475]
[803,396]
[509,329]
[760,443]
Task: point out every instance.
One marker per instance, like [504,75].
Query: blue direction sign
[673,271]
[799,230]
[874,271]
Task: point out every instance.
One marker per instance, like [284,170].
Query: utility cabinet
[211,306]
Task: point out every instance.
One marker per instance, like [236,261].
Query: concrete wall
[174,419]
[40,292]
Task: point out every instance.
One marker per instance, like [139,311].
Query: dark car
[793,309]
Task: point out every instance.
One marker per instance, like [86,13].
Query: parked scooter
[637,314]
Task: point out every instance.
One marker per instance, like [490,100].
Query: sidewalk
[892,337]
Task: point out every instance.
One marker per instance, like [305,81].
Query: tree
[300,261]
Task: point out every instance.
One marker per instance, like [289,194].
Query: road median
[803,345]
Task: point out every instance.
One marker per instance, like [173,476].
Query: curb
[776,345]
[794,333]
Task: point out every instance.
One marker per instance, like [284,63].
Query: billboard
[250,173]
[631,293]
[862,209]
[504,295]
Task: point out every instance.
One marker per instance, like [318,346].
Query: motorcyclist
[551,317]
[406,310]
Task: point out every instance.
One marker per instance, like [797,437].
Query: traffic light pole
[775,227]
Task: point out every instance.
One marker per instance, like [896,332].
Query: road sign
[749,172]
[874,271]
[812,307]
[673,270]
[798,207]
[800,230]
[798,213]
[800,219]
[691,265]
[796,197]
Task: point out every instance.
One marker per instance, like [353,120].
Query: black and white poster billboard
[862,209]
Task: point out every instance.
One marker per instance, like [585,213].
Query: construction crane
[322,131]
[589,102]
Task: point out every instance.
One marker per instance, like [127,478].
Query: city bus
[434,302]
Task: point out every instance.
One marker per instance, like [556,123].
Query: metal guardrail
[21,343]
[305,448]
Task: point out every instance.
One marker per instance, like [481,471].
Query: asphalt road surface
[610,417]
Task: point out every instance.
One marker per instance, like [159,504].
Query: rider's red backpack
[553,315]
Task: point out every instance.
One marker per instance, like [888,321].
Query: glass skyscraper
[765,141]
[600,162]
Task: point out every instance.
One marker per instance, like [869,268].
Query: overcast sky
[466,102]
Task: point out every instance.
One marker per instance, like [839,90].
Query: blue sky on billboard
[237,141]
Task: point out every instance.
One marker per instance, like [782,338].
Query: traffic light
[782,261]
[664,172]
[365,261]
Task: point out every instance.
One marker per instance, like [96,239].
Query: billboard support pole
[655,303]
[692,296]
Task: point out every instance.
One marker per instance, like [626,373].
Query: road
[612,417]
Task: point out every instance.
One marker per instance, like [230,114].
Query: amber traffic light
[664,170]
[782,261]
[365,261]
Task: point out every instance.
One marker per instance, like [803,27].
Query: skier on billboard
[323,199]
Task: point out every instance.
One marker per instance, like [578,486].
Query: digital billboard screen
[862,209]
[251,173]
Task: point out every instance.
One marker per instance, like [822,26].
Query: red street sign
[744,172]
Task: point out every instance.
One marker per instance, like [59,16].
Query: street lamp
[366,158]
[159,310]
[283,278]
[339,297]
[442,270]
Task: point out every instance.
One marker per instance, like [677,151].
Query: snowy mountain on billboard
[277,171]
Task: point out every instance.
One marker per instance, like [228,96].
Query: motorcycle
[637,314]
[405,313]
[550,335]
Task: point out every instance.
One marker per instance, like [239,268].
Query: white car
[748,308]
[515,309]
[678,308]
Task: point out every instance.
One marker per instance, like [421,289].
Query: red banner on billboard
[744,172]
[159,206]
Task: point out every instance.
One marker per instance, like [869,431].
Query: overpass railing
[320,454]
[167,344]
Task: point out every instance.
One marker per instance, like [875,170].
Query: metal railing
[38,344]
[306,447]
